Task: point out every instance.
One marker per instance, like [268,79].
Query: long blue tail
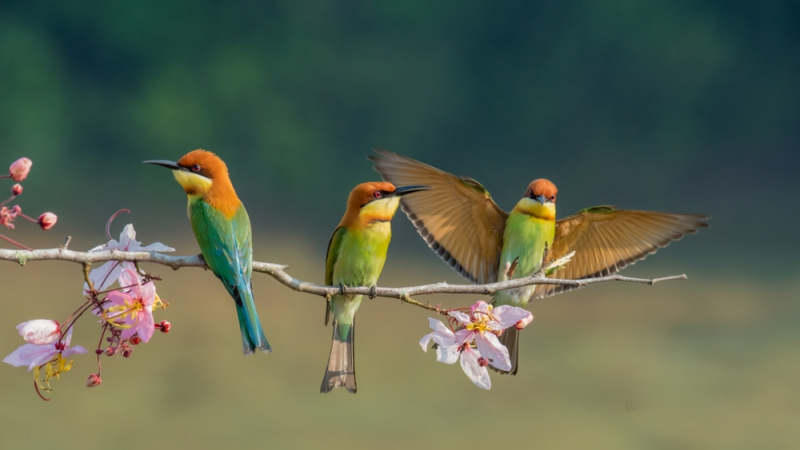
[252,335]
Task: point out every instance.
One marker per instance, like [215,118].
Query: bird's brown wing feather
[457,217]
[606,239]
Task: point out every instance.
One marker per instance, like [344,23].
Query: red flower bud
[99,351]
[94,380]
[110,351]
[19,169]
[483,362]
[136,340]
[127,353]
[16,189]
[165,326]
[47,220]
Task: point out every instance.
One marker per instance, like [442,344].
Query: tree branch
[278,272]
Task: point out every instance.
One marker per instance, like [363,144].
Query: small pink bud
[94,380]
[39,331]
[47,220]
[16,189]
[165,326]
[136,340]
[127,353]
[99,351]
[483,362]
[110,351]
[15,210]
[19,169]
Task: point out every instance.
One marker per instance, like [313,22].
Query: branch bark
[278,271]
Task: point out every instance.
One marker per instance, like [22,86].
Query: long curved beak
[164,163]
[409,190]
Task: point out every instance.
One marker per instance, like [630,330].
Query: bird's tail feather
[252,335]
[510,338]
[341,370]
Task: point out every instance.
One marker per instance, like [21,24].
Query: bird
[355,257]
[459,221]
[222,229]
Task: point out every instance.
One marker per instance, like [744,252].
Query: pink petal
[464,336]
[461,317]
[128,278]
[469,364]
[491,348]
[508,316]
[104,276]
[31,355]
[146,325]
[480,306]
[39,331]
[148,293]
[118,298]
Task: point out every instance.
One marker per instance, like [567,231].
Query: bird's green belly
[524,242]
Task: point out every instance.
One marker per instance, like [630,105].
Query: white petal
[491,348]
[447,354]
[479,375]
[157,247]
[104,276]
[39,331]
[461,317]
[127,238]
[463,336]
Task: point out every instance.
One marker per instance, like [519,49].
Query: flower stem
[16,243]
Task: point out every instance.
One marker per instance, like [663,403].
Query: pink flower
[39,331]
[131,310]
[93,380]
[16,189]
[47,220]
[105,275]
[475,343]
[19,169]
[35,355]
[7,216]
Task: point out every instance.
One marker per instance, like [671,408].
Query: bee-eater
[356,254]
[222,229]
[460,222]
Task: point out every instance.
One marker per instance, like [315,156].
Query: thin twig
[278,271]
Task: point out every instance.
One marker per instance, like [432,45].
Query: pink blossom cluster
[474,341]
[125,314]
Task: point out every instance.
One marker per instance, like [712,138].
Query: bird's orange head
[539,200]
[203,174]
[376,201]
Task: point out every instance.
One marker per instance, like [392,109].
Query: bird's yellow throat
[192,183]
[529,206]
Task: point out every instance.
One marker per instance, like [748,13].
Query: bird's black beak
[409,190]
[164,163]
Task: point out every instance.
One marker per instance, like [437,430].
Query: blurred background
[684,106]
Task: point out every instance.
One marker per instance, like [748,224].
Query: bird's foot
[372,292]
[343,289]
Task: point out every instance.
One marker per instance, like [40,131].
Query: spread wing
[330,260]
[606,239]
[457,217]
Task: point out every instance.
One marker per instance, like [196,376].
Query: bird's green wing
[606,239]
[330,260]
[457,217]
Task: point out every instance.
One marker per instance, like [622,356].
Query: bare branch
[278,272]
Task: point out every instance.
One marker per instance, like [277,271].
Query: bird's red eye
[196,168]
[377,194]
[552,197]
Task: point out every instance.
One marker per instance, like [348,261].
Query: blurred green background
[687,106]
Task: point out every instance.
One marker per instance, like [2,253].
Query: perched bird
[464,226]
[356,254]
[222,229]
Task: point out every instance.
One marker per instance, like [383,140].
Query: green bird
[356,254]
[222,229]
[460,222]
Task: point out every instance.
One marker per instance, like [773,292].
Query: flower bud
[483,362]
[127,353]
[110,351]
[47,220]
[16,189]
[136,340]
[99,351]
[94,380]
[39,331]
[15,210]
[19,169]
[165,326]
